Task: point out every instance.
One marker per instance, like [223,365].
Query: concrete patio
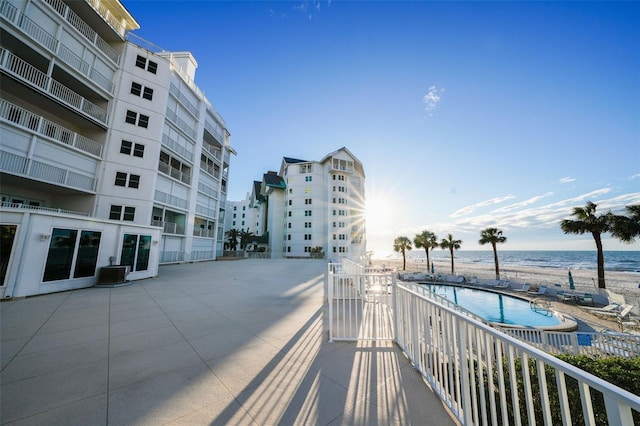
[227,342]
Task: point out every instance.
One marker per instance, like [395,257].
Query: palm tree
[401,245]
[493,236]
[245,238]
[627,228]
[233,235]
[451,244]
[426,240]
[587,221]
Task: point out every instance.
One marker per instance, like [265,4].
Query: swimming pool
[497,307]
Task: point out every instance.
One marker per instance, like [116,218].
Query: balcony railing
[83,28]
[18,165]
[44,127]
[172,200]
[174,173]
[483,375]
[203,232]
[22,70]
[41,208]
[172,256]
[108,16]
[169,227]
[49,41]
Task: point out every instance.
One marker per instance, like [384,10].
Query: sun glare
[377,214]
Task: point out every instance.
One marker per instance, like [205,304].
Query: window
[290,202]
[134,181]
[307,200]
[289,213]
[67,252]
[138,150]
[118,213]
[7,235]
[142,62]
[136,88]
[131,117]
[147,93]
[125,147]
[307,212]
[308,178]
[306,168]
[143,121]
[289,225]
[121,179]
[129,214]
[135,118]
[135,251]
[152,67]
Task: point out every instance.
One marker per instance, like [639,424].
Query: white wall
[31,246]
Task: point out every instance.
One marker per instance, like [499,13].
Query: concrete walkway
[228,342]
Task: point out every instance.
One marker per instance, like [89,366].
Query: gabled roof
[273,180]
[344,148]
[290,160]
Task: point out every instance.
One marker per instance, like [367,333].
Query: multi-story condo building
[109,152]
[310,204]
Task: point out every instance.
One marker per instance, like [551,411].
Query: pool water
[496,307]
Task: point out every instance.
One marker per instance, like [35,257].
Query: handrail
[483,375]
[22,70]
[49,129]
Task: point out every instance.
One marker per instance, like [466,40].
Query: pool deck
[212,343]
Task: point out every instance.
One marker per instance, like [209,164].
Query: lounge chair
[523,289]
[611,307]
[542,291]
[503,284]
[619,315]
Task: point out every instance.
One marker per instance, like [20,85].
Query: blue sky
[465,115]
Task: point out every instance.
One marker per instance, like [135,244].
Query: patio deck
[241,342]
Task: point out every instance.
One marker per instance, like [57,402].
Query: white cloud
[516,206]
[637,175]
[566,180]
[470,209]
[432,99]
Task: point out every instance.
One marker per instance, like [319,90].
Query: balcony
[43,127]
[171,200]
[42,209]
[36,79]
[49,41]
[28,167]
[169,227]
[83,28]
[203,232]
[174,173]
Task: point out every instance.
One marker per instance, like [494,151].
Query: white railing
[203,232]
[174,173]
[169,227]
[42,126]
[483,375]
[24,71]
[108,16]
[580,343]
[165,198]
[41,208]
[176,147]
[49,41]
[171,256]
[83,28]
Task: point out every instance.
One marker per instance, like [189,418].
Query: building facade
[109,152]
[308,205]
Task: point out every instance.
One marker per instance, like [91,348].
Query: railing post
[394,305]
[330,300]
[464,356]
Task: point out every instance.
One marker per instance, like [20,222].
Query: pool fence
[482,374]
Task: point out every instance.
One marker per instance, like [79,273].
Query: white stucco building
[109,152]
[310,204]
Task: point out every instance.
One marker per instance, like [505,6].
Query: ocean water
[620,261]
